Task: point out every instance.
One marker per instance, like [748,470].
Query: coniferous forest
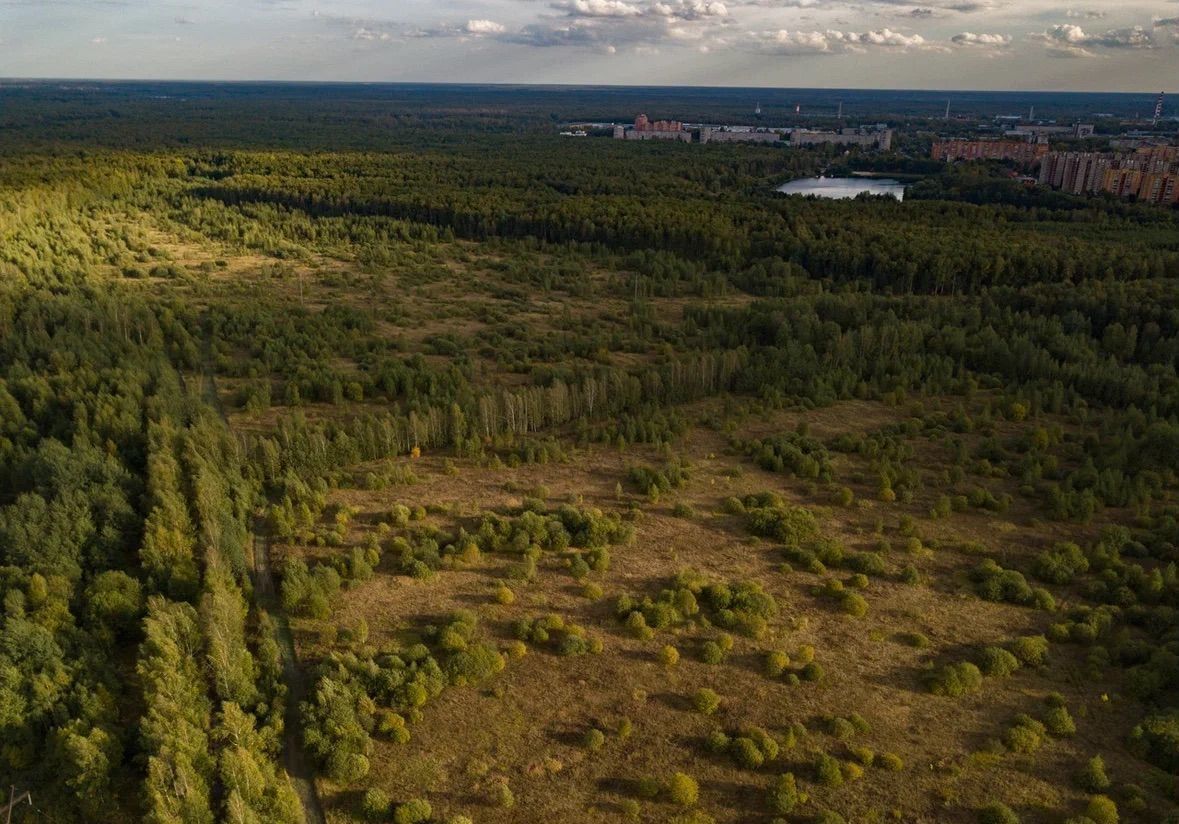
[395,459]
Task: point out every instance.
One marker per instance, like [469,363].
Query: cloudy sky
[1115,45]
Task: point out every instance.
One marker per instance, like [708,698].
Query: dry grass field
[527,727]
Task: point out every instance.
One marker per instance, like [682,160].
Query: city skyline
[946,44]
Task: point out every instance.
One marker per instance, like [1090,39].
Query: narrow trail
[295,760]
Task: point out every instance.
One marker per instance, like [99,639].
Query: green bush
[1059,723]
[890,761]
[828,771]
[593,739]
[1025,735]
[1061,564]
[706,701]
[853,604]
[375,804]
[416,811]
[840,728]
[811,672]
[996,661]
[683,790]
[954,680]
[784,795]
[997,813]
[746,753]
[669,656]
[717,742]
[1031,650]
[828,817]
[1092,777]
[1156,739]
[648,787]
[776,663]
[711,653]
[1102,810]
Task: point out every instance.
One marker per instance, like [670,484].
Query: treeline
[136,680]
[302,446]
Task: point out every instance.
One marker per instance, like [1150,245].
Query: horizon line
[568,86]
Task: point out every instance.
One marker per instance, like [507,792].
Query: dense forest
[242,382]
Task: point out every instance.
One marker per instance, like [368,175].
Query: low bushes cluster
[749,746]
[552,631]
[742,606]
[954,680]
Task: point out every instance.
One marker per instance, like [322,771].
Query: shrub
[784,795]
[997,813]
[631,810]
[1156,739]
[504,594]
[593,739]
[711,653]
[996,661]
[776,663]
[1031,650]
[648,787]
[669,656]
[717,742]
[1102,810]
[502,795]
[746,753]
[993,583]
[1061,565]
[683,790]
[626,728]
[890,761]
[812,672]
[827,770]
[854,604]
[415,811]
[840,728]
[954,680]
[705,701]
[637,625]
[375,804]
[1092,777]
[1025,735]
[917,640]
[1059,723]
[864,755]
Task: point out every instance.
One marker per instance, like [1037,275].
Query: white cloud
[98,41]
[365,33]
[984,41]
[1070,40]
[481,27]
[784,41]
[600,8]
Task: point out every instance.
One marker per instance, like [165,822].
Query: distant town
[1140,163]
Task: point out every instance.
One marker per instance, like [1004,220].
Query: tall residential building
[1013,151]
[1150,174]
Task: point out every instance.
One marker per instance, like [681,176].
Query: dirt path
[295,760]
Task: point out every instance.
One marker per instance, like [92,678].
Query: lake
[842,188]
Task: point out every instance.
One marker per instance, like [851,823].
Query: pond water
[842,188]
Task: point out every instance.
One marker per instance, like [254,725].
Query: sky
[1104,45]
